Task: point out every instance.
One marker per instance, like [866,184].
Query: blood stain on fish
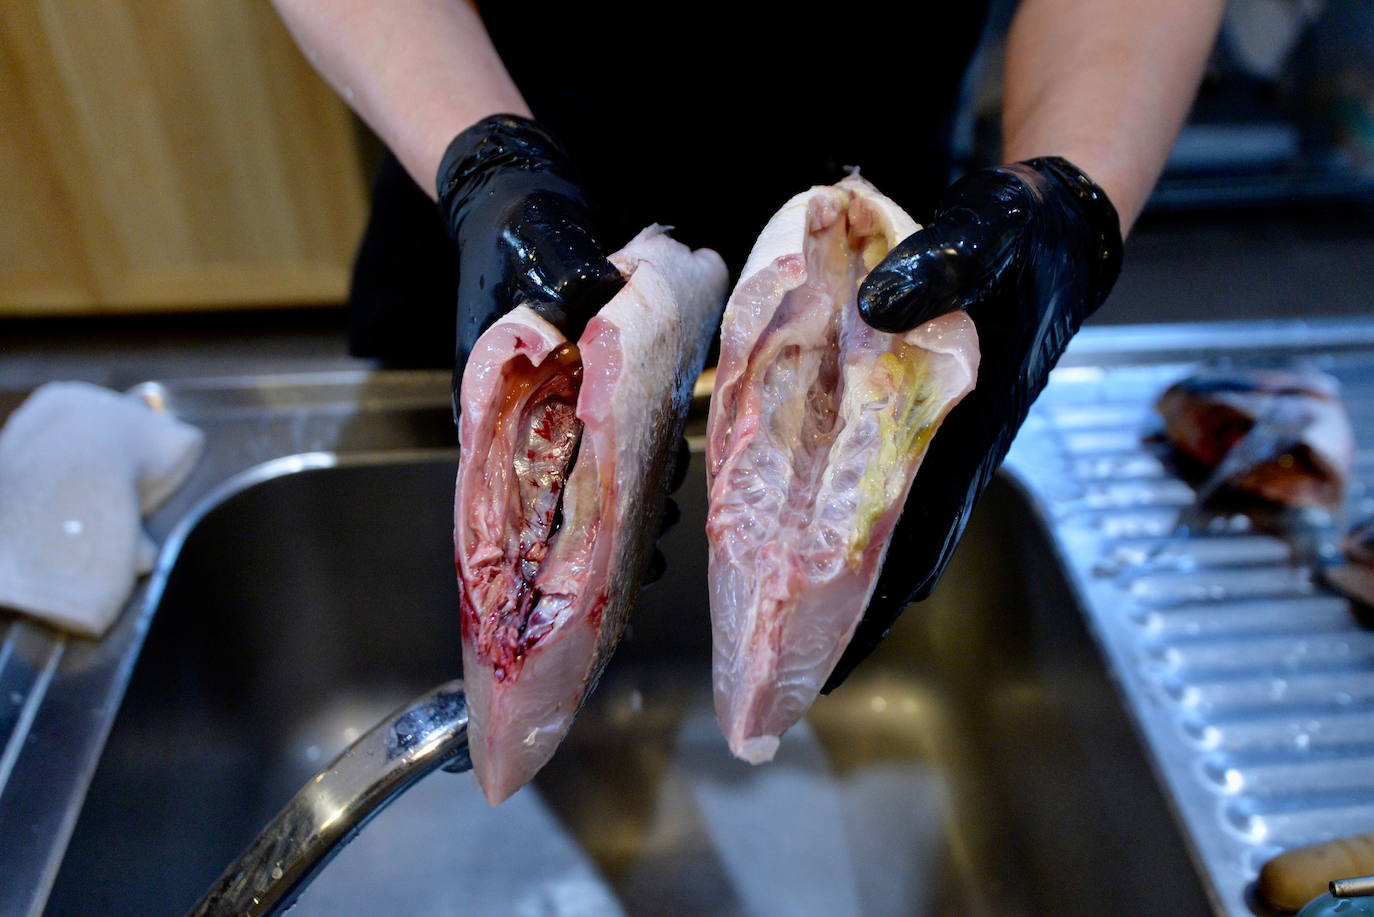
[559,492]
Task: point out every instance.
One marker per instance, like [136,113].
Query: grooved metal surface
[1251,683]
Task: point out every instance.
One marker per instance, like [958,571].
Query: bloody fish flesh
[566,454]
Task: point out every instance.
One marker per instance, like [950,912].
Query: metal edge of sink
[67,691]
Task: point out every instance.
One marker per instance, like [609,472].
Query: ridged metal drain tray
[1252,684]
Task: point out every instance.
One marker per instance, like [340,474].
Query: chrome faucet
[428,733]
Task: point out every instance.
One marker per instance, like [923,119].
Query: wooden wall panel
[166,154]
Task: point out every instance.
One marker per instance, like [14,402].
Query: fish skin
[802,505]
[1209,412]
[640,356]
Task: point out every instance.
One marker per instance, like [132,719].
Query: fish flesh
[817,427]
[567,450]
[1284,432]
[1355,578]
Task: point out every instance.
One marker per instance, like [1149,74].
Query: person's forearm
[1105,84]
[417,71]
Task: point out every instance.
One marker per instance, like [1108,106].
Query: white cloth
[79,467]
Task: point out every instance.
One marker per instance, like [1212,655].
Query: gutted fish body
[566,454]
[818,425]
[1297,437]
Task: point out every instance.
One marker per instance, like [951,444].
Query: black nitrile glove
[523,232]
[1028,250]
[672,513]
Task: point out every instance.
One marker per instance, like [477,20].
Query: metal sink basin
[980,763]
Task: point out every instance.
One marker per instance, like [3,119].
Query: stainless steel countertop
[59,695]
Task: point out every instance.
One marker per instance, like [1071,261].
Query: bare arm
[1105,84]
[417,71]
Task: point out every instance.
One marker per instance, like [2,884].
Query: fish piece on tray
[818,425]
[1355,577]
[1289,427]
[566,454]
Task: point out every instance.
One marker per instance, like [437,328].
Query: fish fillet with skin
[818,425]
[566,454]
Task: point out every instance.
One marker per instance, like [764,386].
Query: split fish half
[567,450]
[817,427]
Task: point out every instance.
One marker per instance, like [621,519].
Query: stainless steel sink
[980,763]
[984,762]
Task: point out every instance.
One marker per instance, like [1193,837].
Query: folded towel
[79,467]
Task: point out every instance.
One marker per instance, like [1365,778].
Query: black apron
[706,122]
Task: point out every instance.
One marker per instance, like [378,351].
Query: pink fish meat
[818,425]
[566,453]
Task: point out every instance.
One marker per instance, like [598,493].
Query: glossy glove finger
[672,515]
[523,230]
[543,257]
[682,462]
[554,263]
[954,261]
[658,561]
[658,565]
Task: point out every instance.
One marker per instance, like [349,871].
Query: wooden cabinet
[165,155]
